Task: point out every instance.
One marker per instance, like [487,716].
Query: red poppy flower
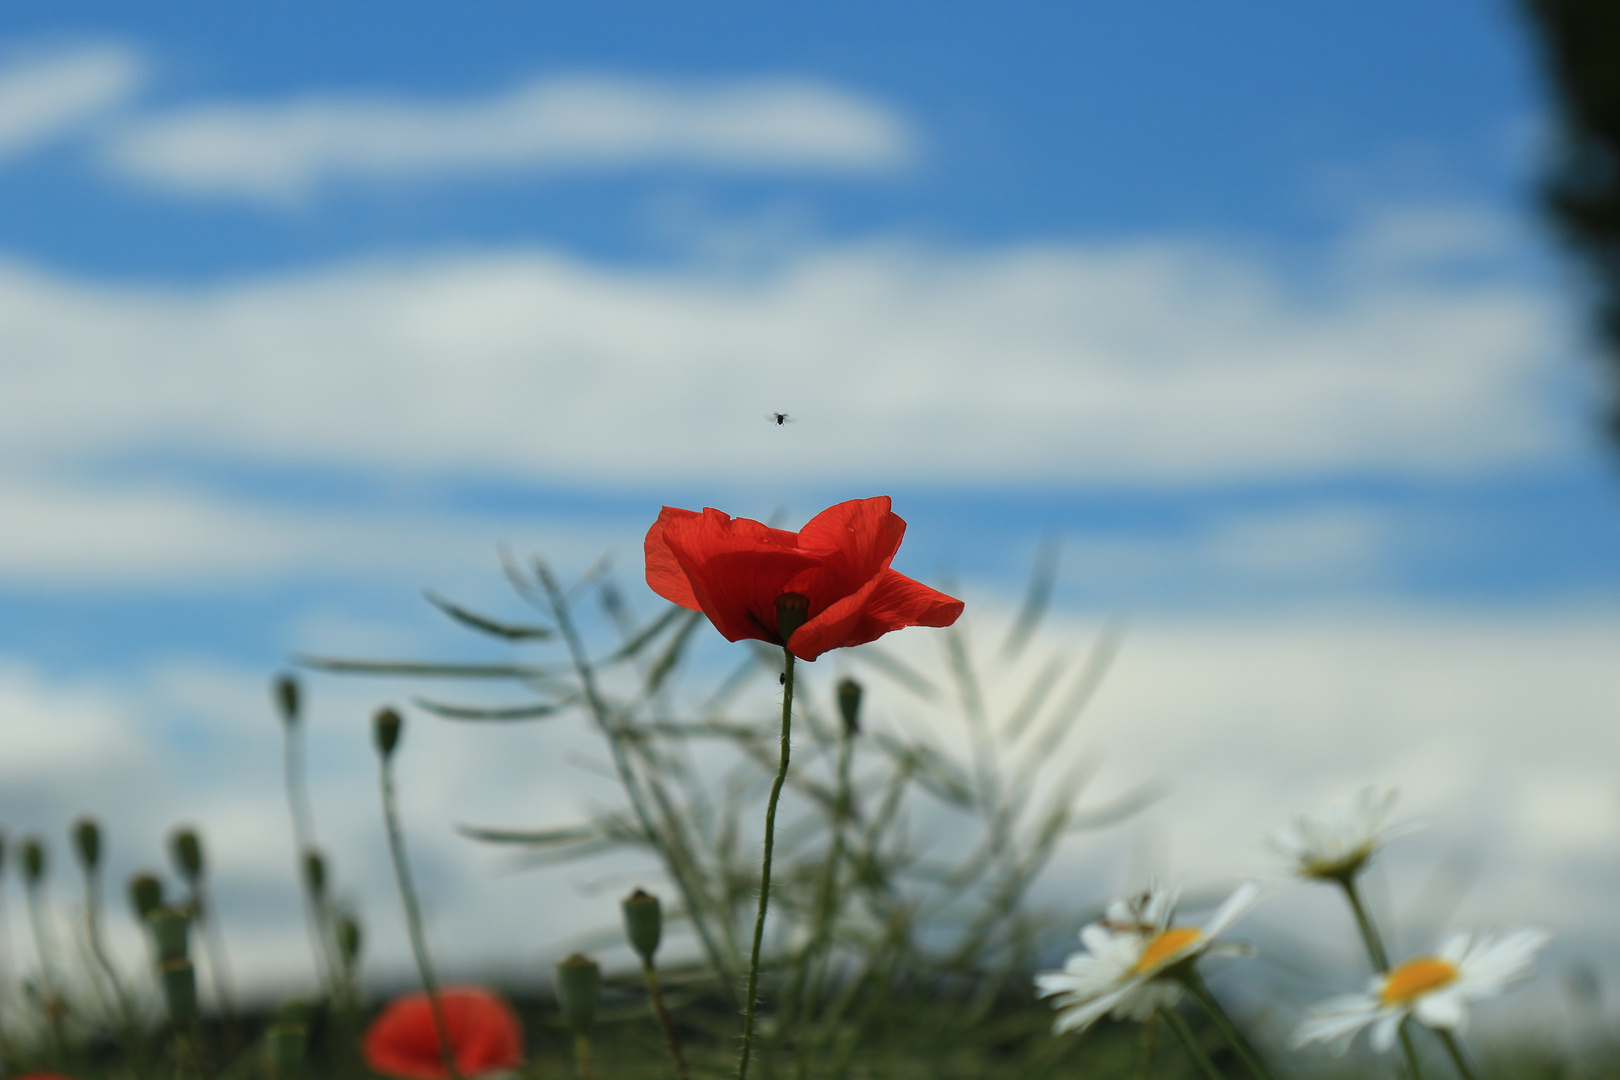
[824,587]
[484,1036]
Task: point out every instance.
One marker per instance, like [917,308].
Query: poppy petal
[889,602]
[737,568]
[484,1036]
[664,574]
[856,539]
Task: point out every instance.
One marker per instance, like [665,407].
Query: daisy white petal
[1339,845]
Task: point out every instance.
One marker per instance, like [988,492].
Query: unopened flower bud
[180,990]
[579,989]
[849,706]
[386,725]
[188,853]
[33,860]
[170,929]
[286,694]
[87,842]
[643,923]
[315,873]
[284,1044]
[349,939]
[145,895]
[792,612]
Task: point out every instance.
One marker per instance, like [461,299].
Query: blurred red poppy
[828,585]
[484,1036]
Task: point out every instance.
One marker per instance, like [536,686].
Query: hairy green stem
[413,918]
[1380,963]
[751,1000]
[1223,1023]
[656,991]
[1188,1040]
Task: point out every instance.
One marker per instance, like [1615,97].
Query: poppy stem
[582,1056]
[751,998]
[656,992]
[413,917]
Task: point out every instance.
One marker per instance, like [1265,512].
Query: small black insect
[781,678]
[779,418]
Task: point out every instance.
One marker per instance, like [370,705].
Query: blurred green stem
[582,1056]
[1189,1041]
[303,826]
[649,974]
[413,918]
[1194,983]
[1380,963]
[818,954]
[751,1000]
[1449,1041]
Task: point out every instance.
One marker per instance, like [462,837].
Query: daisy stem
[1449,1041]
[751,1000]
[1380,962]
[1190,1041]
[413,918]
[1229,1031]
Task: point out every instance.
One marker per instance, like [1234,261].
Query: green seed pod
[180,990]
[315,874]
[33,860]
[170,929]
[145,895]
[286,694]
[284,1044]
[386,726]
[87,842]
[643,923]
[349,939]
[187,850]
[579,990]
[792,612]
[849,706]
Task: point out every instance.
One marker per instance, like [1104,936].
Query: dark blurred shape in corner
[1580,46]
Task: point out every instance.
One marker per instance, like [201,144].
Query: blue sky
[305,307]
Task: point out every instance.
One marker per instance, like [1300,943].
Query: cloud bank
[45,93]
[284,151]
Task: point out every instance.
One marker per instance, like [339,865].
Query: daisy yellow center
[1415,978]
[1166,944]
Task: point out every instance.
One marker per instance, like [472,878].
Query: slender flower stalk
[644,926]
[1194,982]
[1380,962]
[1458,1058]
[1189,1041]
[387,729]
[787,610]
[289,702]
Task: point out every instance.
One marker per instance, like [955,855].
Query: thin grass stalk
[413,917]
[751,1000]
[609,727]
[818,955]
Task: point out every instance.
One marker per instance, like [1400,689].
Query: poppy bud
[286,694]
[284,1044]
[33,860]
[643,923]
[188,853]
[315,873]
[145,895]
[387,724]
[87,842]
[180,990]
[579,989]
[348,938]
[849,706]
[170,927]
[792,612]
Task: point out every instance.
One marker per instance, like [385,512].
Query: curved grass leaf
[487,625]
[536,711]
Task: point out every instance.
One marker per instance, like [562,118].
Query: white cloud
[44,93]
[1147,362]
[283,151]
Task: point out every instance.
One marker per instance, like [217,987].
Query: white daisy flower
[1338,846]
[1433,990]
[1126,954]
